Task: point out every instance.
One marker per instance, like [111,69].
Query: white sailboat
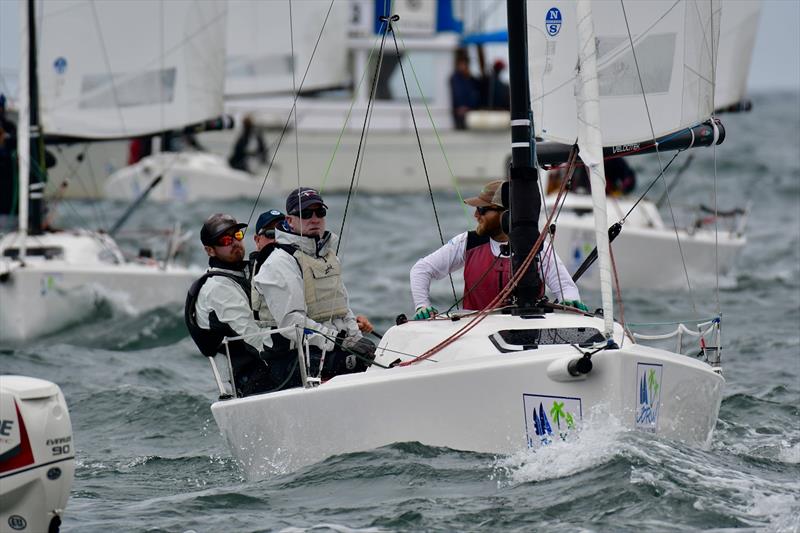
[501,381]
[51,279]
[647,243]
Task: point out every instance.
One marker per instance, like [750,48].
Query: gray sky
[776,58]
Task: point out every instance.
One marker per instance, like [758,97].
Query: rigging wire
[289,117]
[419,144]
[658,154]
[370,103]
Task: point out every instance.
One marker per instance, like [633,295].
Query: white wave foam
[594,443]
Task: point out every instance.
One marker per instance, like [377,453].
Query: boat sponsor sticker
[552,21]
[648,383]
[550,417]
[48,282]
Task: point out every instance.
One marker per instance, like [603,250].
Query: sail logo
[60,65]
[648,383]
[552,21]
[550,417]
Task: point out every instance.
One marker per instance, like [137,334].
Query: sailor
[301,282]
[264,238]
[487,264]
[218,306]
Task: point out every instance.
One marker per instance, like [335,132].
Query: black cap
[216,225]
[268,217]
[301,198]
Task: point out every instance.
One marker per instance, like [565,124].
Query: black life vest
[209,341]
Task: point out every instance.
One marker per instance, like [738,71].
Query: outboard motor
[37,455]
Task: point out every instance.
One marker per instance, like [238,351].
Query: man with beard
[218,306]
[487,264]
[301,282]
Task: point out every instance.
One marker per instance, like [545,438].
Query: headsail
[122,69]
[259,47]
[673,41]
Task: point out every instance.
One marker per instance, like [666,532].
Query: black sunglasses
[305,214]
[483,209]
[268,233]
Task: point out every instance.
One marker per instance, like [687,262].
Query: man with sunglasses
[218,306]
[487,264]
[301,282]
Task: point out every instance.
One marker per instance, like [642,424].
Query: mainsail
[673,41]
[260,55]
[122,69]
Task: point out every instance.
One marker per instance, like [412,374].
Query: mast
[524,199]
[30,143]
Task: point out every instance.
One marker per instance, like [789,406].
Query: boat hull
[43,297]
[487,404]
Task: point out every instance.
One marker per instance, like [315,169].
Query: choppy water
[149,457]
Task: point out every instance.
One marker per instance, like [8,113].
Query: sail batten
[122,69]
[671,60]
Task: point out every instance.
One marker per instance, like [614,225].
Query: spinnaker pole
[524,199]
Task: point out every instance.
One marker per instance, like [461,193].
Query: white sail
[127,68]
[259,46]
[736,41]
[673,42]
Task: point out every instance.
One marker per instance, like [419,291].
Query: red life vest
[478,293]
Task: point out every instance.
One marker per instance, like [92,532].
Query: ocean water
[149,456]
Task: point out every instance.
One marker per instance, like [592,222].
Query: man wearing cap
[218,306]
[264,238]
[301,282]
[487,264]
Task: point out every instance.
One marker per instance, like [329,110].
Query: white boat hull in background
[42,296]
[646,252]
[186,177]
[472,398]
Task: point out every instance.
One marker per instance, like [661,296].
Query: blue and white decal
[550,417]
[552,21]
[648,385]
[60,65]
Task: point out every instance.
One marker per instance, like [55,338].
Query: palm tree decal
[557,412]
[570,421]
[652,384]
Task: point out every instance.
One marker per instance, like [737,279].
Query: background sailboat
[51,279]
[684,83]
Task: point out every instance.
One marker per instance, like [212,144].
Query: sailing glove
[425,312]
[576,304]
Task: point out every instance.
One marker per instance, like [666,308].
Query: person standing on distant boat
[240,155]
[301,282]
[483,253]
[218,306]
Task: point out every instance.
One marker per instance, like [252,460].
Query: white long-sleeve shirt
[453,255]
[229,302]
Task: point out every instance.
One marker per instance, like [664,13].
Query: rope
[658,154]
[419,144]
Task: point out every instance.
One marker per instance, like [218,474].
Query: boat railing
[709,333]
[227,386]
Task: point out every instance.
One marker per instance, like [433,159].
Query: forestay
[673,45]
[259,48]
[121,69]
